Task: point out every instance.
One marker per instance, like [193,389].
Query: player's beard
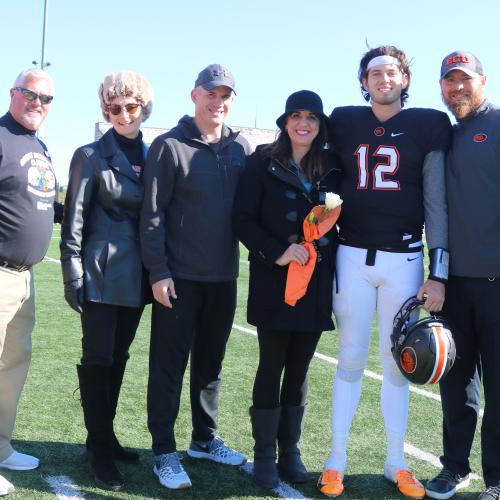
[462,109]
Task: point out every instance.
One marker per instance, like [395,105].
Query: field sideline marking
[64,488]
[410,449]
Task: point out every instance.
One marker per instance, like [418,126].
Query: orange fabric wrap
[298,276]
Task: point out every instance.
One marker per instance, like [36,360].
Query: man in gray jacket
[191,253]
[473,290]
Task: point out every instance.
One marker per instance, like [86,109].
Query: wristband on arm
[439,261]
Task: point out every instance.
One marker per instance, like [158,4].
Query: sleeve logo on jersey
[480,137]
[379,131]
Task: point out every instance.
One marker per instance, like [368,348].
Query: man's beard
[462,109]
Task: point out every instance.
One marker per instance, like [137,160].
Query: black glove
[73,293]
[58,212]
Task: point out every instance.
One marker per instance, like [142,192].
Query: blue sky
[273,47]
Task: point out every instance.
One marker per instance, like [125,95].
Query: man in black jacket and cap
[191,253]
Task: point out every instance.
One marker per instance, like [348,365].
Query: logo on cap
[457,59]
[219,72]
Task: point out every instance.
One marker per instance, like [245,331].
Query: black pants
[473,308]
[283,350]
[108,331]
[199,322]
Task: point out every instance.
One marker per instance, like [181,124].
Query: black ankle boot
[290,464]
[123,454]
[264,431]
[104,470]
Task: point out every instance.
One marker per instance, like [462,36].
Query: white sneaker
[217,451]
[5,487]
[20,461]
[170,472]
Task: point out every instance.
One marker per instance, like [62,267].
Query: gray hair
[33,73]
[128,84]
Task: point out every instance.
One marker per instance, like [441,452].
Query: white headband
[377,61]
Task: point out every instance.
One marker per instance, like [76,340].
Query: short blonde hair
[128,84]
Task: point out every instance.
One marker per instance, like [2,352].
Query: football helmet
[424,350]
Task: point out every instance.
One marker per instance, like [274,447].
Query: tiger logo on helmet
[424,349]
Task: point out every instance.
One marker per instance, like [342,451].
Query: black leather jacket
[100,230]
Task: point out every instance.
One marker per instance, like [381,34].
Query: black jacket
[186,229]
[269,210]
[100,230]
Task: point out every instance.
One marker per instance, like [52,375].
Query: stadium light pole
[43,63]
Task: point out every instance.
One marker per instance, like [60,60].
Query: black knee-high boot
[94,390]
[290,464]
[115,383]
[264,430]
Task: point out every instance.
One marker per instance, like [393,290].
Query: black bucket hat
[303,100]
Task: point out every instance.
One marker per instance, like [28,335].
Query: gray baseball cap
[463,61]
[215,75]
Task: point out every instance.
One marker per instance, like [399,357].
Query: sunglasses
[115,109]
[31,96]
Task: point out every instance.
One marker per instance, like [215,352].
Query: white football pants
[359,292]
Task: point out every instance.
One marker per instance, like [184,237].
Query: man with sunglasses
[27,194]
[191,253]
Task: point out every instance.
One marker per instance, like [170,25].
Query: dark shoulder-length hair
[384,50]
[313,162]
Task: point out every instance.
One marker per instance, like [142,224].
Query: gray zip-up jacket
[190,186]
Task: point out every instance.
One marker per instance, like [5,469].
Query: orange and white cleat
[330,483]
[408,484]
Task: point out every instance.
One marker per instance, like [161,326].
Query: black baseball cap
[215,75]
[463,61]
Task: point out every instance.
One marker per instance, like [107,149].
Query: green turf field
[50,423]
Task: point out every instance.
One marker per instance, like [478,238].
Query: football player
[393,182]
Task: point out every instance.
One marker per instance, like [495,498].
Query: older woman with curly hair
[104,279]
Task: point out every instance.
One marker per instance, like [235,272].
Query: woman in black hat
[282,182]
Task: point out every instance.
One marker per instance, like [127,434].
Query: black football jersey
[382,166]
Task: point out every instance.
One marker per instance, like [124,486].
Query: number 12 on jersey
[387,166]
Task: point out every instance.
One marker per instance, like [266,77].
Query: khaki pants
[17,319]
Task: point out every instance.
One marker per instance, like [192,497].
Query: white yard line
[283,490]
[50,259]
[64,488]
[410,449]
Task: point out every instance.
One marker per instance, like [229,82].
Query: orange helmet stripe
[441,355]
